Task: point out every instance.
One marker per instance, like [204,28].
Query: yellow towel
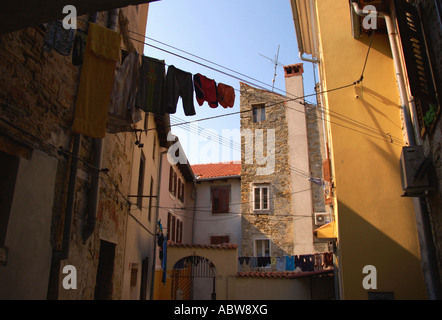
[101,55]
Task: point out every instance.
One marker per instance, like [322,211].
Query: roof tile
[217,170]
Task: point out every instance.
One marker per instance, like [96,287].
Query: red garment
[205,90]
[226,95]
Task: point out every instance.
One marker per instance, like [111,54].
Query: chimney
[293,70]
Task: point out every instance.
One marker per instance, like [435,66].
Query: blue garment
[164,261]
[289,263]
[58,38]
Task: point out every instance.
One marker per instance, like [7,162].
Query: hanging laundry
[205,90]
[289,263]
[122,111]
[79,47]
[243,260]
[309,264]
[263,262]
[272,261]
[58,38]
[328,259]
[280,263]
[299,262]
[152,86]
[319,261]
[179,84]
[101,55]
[253,262]
[225,95]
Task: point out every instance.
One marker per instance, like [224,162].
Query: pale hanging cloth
[122,110]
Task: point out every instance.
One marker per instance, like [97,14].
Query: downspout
[91,221]
[64,251]
[397,66]
[154,256]
[428,262]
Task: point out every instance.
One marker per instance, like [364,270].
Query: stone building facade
[50,219]
[282,148]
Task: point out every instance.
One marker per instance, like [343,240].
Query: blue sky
[240,35]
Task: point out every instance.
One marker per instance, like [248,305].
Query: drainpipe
[154,256]
[397,66]
[428,260]
[91,221]
[64,252]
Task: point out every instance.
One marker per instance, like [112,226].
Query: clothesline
[133,86]
[306,262]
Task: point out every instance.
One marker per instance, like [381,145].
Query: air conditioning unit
[414,171]
[322,218]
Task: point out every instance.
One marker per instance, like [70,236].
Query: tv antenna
[275,61]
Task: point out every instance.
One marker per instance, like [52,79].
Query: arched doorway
[193,278]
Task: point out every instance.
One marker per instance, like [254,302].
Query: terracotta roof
[217,170]
[282,274]
[226,246]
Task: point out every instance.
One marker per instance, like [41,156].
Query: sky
[229,41]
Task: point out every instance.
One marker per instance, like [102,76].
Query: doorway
[193,278]
[105,271]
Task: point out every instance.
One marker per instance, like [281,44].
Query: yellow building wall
[376,225]
[162,291]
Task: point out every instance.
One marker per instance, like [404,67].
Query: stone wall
[277,223]
[38,90]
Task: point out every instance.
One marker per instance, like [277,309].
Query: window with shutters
[150,198]
[141,181]
[258,113]
[220,199]
[262,248]
[418,65]
[180,190]
[172,181]
[134,275]
[261,197]
[219,239]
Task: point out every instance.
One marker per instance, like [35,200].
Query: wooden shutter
[418,65]
[220,199]
[215,200]
[224,199]
[171,172]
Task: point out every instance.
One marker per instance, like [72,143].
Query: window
[150,198]
[174,228]
[261,197]
[172,181]
[179,232]
[220,199]
[180,190]
[154,148]
[418,65]
[258,113]
[134,275]
[262,248]
[141,181]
